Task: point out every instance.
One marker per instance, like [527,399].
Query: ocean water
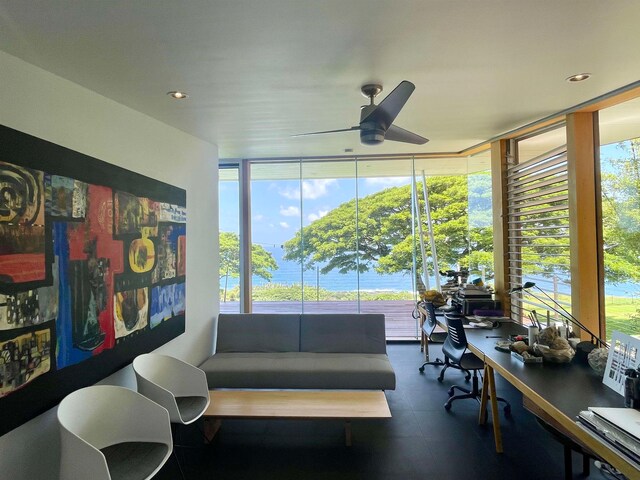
[289,273]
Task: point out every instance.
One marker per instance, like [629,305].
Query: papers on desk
[619,427]
[476,321]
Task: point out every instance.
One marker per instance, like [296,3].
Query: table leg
[495,415]
[211,427]
[484,396]
[347,432]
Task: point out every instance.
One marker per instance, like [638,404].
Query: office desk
[560,391]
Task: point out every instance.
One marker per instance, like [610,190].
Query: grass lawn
[622,314]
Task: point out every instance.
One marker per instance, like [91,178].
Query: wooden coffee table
[294,404]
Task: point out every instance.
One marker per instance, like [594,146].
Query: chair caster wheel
[467,378]
[421,369]
[447,406]
[440,379]
[450,392]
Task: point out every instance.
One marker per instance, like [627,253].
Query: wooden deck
[399,322]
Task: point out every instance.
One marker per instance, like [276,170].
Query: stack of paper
[620,427]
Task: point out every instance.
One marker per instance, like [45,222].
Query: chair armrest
[79,459]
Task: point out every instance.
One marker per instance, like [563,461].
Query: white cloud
[290,211]
[387,181]
[284,224]
[311,189]
[312,217]
[258,217]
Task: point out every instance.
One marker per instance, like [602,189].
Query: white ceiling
[258,71]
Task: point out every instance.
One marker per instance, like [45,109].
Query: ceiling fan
[376,120]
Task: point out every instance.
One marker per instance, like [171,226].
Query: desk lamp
[560,310]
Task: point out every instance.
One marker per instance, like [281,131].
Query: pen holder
[532,333]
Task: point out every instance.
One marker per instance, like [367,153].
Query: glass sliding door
[480,213]
[276,216]
[229,221]
[387,243]
[328,237]
[620,190]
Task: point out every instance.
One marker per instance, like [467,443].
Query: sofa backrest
[343,333]
[258,332]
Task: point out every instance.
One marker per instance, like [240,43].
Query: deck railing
[400,323]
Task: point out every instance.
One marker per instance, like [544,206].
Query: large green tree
[621,214]
[382,238]
[262,262]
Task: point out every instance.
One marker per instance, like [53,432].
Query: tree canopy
[621,214]
[262,262]
[382,238]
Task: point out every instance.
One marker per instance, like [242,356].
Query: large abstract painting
[92,271]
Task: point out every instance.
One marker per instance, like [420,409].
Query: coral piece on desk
[519,347]
[560,355]
[547,336]
[560,344]
[597,359]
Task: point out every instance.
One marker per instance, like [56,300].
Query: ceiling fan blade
[327,131]
[388,109]
[398,134]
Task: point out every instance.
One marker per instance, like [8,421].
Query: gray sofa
[300,351]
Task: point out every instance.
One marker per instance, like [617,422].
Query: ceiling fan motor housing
[370,135]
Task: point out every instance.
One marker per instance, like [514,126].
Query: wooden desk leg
[347,432]
[482,415]
[495,414]
[211,427]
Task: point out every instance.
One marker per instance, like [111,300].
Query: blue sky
[276,205]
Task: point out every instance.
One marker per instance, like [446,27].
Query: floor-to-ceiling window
[480,219]
[353,234]
[620,191]
[276,207]
[387,243]
[229,215]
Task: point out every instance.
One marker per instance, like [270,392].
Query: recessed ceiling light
[178,95]
[578,77]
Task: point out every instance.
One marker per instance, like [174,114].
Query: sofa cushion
[348,371]
[258,332]
[343,333]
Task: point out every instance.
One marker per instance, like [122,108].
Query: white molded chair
[112,433]
[179,387]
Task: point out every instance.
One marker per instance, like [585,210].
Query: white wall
[49,107]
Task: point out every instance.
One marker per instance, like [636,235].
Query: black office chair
[431,320]
[455,350]
[428,328]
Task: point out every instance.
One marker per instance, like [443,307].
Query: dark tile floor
[421,441]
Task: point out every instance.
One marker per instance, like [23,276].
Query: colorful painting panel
[131,309]
[23,359]
[142,255]
[167,251]
[80,249]
[136,215]
[166,302]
